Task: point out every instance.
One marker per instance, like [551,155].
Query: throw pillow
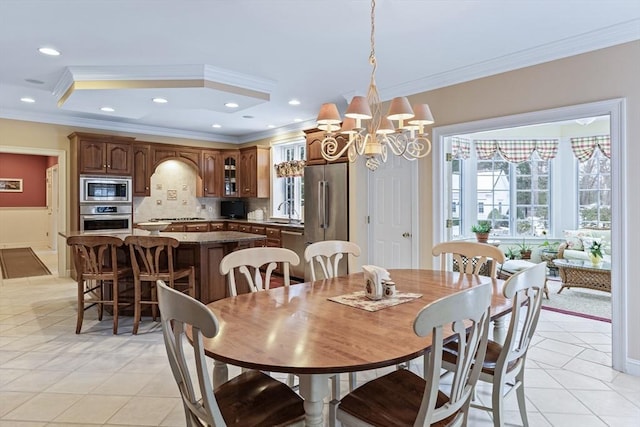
[574,239]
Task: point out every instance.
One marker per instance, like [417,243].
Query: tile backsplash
[173,195]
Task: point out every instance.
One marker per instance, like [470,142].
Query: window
[288,192]
[594,191]
[503,188]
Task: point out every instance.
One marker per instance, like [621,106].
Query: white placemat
[359,300]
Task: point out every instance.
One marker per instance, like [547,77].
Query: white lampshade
[348,126]
[386,127]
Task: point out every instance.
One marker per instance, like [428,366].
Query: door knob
[405,234]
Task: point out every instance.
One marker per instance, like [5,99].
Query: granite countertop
[190,237]
[271,222]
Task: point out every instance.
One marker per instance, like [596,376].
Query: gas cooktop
[177,219]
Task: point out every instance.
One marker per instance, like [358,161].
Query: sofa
[577,243]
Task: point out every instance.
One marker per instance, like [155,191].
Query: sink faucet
[289,208]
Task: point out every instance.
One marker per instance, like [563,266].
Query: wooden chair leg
[154,298]
[101,298]
[136,306]
[80,305]
[115,305]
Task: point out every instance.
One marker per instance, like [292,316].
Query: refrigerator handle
[326,204]
[321,203]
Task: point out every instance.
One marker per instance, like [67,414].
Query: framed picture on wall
[11,185]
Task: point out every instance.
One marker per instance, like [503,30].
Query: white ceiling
[315,51]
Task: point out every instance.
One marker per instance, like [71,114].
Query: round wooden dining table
[298,329]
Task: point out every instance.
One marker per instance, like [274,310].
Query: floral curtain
[460,147]
[290,169]
[584,147]
[516,150]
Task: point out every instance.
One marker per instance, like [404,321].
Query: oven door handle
[106,216]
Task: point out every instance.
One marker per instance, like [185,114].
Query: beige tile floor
[49,376]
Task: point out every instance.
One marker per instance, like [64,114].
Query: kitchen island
[204,250]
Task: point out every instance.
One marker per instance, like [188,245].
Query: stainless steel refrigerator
[326,206]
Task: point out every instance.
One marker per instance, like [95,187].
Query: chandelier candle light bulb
[409,140]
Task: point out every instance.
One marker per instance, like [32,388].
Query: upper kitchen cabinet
[161,152]
[314,146]
[103,154]
[141,169]
[254,171]
[211,173]
[230,173]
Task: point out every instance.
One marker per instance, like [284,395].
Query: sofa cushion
[574,239]
[515,265]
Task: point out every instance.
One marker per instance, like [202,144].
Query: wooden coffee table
[583,274]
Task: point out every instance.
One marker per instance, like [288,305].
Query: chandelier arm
[329,148]
[418,148]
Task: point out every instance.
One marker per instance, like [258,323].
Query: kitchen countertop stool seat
[96,263]
[152,259]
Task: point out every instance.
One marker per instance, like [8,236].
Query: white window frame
[293,149]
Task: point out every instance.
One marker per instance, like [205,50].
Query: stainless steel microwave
[100,189]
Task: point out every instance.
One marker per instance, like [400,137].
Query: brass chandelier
[407,140]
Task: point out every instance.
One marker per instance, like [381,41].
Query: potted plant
[525,250]
[595,252]
[510,253]
[549,247]
[482,230]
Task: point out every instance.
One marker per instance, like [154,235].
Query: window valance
[460,147]
[516,150]
[584,147]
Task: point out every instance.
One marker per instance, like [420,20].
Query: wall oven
[106,218]
[100,189]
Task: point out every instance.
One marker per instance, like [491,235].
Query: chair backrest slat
[327,255]
[470,256]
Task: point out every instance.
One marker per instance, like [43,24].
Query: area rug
[21,262]
[585,303]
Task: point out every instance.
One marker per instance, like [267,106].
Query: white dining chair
[327,255]
[250,399]
[249,261]
[470,256]
[504,364]
[403,398]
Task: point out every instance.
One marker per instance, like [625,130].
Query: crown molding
[571,46]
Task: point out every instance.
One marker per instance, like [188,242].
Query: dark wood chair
[98,275]
[250,399]
[152,259]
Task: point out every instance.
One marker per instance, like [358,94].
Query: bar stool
[96,263]
[152,259]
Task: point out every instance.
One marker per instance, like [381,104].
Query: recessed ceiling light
[247,117]
[216,125]
[27,100]
[160,100]
[294,102]
[48,51]
[34,81]
[297,120]
[270,126]
[231,105]
[107,109]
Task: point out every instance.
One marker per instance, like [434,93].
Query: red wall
[33,172]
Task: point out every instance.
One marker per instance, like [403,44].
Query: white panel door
[391,200]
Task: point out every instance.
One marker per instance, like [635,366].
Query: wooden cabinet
[217,226]
[141,170]
[273,237]
[255,171]
[161,152]
[230,174]
[211,174]
[197,227]
[175,227]
[244,228]
[314,147]
[233,226]
[102,154]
